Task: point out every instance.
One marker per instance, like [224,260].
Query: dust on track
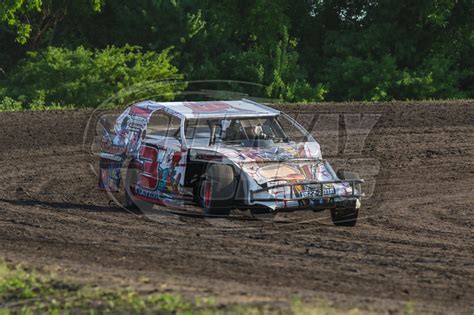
[413,244]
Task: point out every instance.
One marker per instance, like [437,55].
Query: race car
[220,156]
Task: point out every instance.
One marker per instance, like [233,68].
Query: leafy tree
[20,15]
[298,50]
[11,12]
[85,77]
[394,49]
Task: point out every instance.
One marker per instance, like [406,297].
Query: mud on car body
[223,155]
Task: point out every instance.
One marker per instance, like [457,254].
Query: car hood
[281,162]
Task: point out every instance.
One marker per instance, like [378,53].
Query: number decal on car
[149,176]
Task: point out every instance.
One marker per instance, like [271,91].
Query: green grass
[27,292]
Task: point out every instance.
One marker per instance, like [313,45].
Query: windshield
[242,131]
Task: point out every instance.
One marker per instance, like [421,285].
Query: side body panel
[161,178]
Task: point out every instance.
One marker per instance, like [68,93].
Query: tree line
[76,53]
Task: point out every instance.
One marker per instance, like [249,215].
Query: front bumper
[314,195]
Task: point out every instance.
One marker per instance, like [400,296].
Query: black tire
[343,174]
[263,214]
[217,190]
[348,215]
[344,216]
[133,203]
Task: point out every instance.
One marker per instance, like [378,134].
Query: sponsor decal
[216,107]
[207,157]
[207,107]
[137,123]
[147,194]
[140,111]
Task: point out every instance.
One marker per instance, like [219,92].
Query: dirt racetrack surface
[413,242]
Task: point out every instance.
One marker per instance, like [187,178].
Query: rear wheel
[216,191]
[346,216]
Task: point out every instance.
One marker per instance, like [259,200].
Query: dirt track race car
[223,155]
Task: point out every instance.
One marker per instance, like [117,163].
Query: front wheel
[216,191]
[348,215]
[344,216]
[263,214]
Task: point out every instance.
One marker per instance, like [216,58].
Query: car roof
[211,109]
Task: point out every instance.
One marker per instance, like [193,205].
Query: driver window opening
[163,125]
